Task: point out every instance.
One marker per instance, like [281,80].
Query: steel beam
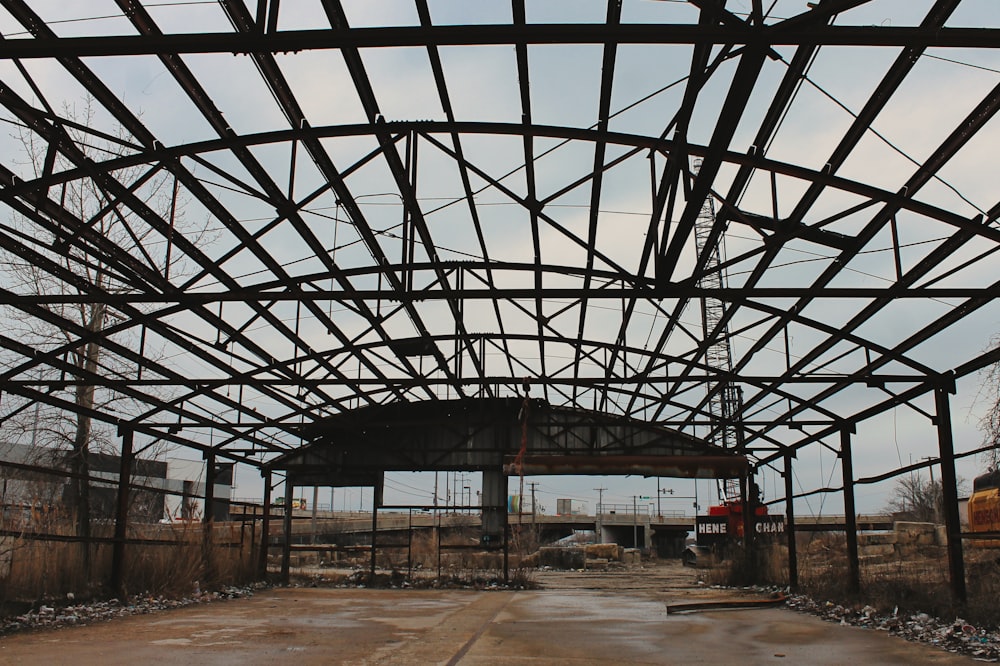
[121,517]
[284,41]
[949,490]
[793,557]
[850,513]
[265,526]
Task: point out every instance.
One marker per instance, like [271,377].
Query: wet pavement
[579,618]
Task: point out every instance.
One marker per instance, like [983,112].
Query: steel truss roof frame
[449,300]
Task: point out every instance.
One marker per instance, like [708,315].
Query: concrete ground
[579,618]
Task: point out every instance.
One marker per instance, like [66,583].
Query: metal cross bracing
[443,204]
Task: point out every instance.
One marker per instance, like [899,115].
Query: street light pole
[658,511]
[635,522]
[534,516]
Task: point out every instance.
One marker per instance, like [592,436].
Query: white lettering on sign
[711,528]
[770,527]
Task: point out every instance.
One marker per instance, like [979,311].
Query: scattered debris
[77,614]
[956,636]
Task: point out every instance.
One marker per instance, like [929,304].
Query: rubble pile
[956,636]
[54,615]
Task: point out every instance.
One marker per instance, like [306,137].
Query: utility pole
[635,522]
[658,511]
[534,519]
[933,493]
[598,527]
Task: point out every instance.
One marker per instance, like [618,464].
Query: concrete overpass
[666,534]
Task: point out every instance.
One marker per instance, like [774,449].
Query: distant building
[24,490]
[186,480]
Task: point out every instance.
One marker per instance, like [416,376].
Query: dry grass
[36,570]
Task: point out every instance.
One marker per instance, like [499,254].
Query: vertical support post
[253,533]
[286,546]
[438,514]
[121,516]
[850,513]
[208,517]
[376,502]
[272,17]
[793,555]
[409,546]
[747,502]
[265,524]
[534,515]
[949,491]
[315,509]
[754,499]
[506,547]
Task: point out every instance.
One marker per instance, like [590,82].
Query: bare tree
[77,330]
[916,498]
[990,422]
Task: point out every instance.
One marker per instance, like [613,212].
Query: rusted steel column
[207,519]
[850,513]
[286,547]
[121,516]
[949,492]
[747,502]
[265,524]
[375,505]
[793,555]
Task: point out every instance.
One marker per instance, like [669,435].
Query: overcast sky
[565,82]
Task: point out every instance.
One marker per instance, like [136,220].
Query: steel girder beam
[633,378]
[821,178]
[286,41]
[935,18]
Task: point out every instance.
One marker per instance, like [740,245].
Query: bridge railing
[645,509]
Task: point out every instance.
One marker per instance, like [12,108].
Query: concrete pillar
[494,507]
[949,492]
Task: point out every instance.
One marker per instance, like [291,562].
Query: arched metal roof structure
[326,205]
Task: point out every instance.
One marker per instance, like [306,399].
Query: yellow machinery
[984,504]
